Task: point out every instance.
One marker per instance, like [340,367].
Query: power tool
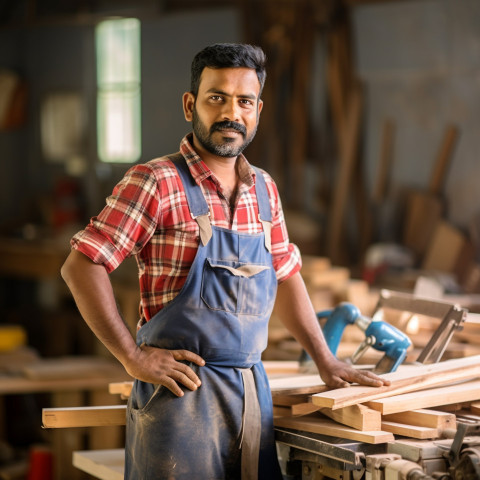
[379,335]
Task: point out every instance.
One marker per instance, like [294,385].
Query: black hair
[228,55]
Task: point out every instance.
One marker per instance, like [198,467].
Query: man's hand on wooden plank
[338,374]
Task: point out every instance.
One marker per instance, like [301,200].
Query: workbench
[69,381]
[313,447]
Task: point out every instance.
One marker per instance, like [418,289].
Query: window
[118,90]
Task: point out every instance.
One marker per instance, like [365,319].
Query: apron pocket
[143,394]
[235,287]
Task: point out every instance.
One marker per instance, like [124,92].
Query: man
[208,234]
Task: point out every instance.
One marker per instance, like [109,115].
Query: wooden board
[297,384]
[475,408]
[84,416]
[412,431]
[412,379]
[424,418]
[463,392]
[359,417]
[317,424]
[425,209]
[69,367]
[101,464]
[445,249]
[274,367]
[288,400]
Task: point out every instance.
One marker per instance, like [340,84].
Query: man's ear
[260,106]
[188,100]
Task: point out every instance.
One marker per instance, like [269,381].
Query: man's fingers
[189,356]
[186,380]
[372,379]
[172,386]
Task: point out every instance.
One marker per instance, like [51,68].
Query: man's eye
[216,98]
[246,102]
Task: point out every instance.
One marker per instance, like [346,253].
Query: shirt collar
[200,171]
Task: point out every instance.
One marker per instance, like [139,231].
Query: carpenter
[208,234]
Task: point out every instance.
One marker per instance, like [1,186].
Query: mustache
[230,125]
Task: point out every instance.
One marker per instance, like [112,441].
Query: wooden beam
[463,392]
[359,417]
[84,416]
[317,424]
[412,379]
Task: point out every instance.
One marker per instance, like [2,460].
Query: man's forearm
[91,288]
[296,311]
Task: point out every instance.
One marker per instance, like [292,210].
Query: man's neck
[224,168]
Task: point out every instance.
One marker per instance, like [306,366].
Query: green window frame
[117,44]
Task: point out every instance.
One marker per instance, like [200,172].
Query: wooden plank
[84,416]
[316,424]
[282,411]
[304,408]
[281,366]
[359,417]
[423,418]
[463,392]
[69,367]
[412,379]
[289,400]
[442,162]
[121,388]
[101,464]
[300,384]
[475,408]
[348,158]
[425,209]
[412,431]
[445,248]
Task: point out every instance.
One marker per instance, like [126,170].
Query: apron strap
[264,210]
[251,427]
[199,207]
[196,201]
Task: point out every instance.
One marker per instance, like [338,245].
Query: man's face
[225,112]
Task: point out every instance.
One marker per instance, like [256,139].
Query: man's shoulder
[160,167]
[161,163]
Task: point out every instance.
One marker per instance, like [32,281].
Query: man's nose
[231,111]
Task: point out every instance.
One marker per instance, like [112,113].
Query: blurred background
[370,128]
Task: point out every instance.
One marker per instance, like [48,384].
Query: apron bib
[224,429]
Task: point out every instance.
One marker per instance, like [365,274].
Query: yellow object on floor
[12,337]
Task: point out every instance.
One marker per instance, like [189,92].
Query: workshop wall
[420,63]
[55,57]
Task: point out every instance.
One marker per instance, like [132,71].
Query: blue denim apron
[223,430]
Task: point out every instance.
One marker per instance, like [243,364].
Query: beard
[226,147]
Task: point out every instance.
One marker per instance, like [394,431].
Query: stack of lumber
[417,404]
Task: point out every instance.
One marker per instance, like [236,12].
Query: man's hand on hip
[165,367]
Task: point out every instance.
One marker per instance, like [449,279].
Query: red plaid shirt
[147,216]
